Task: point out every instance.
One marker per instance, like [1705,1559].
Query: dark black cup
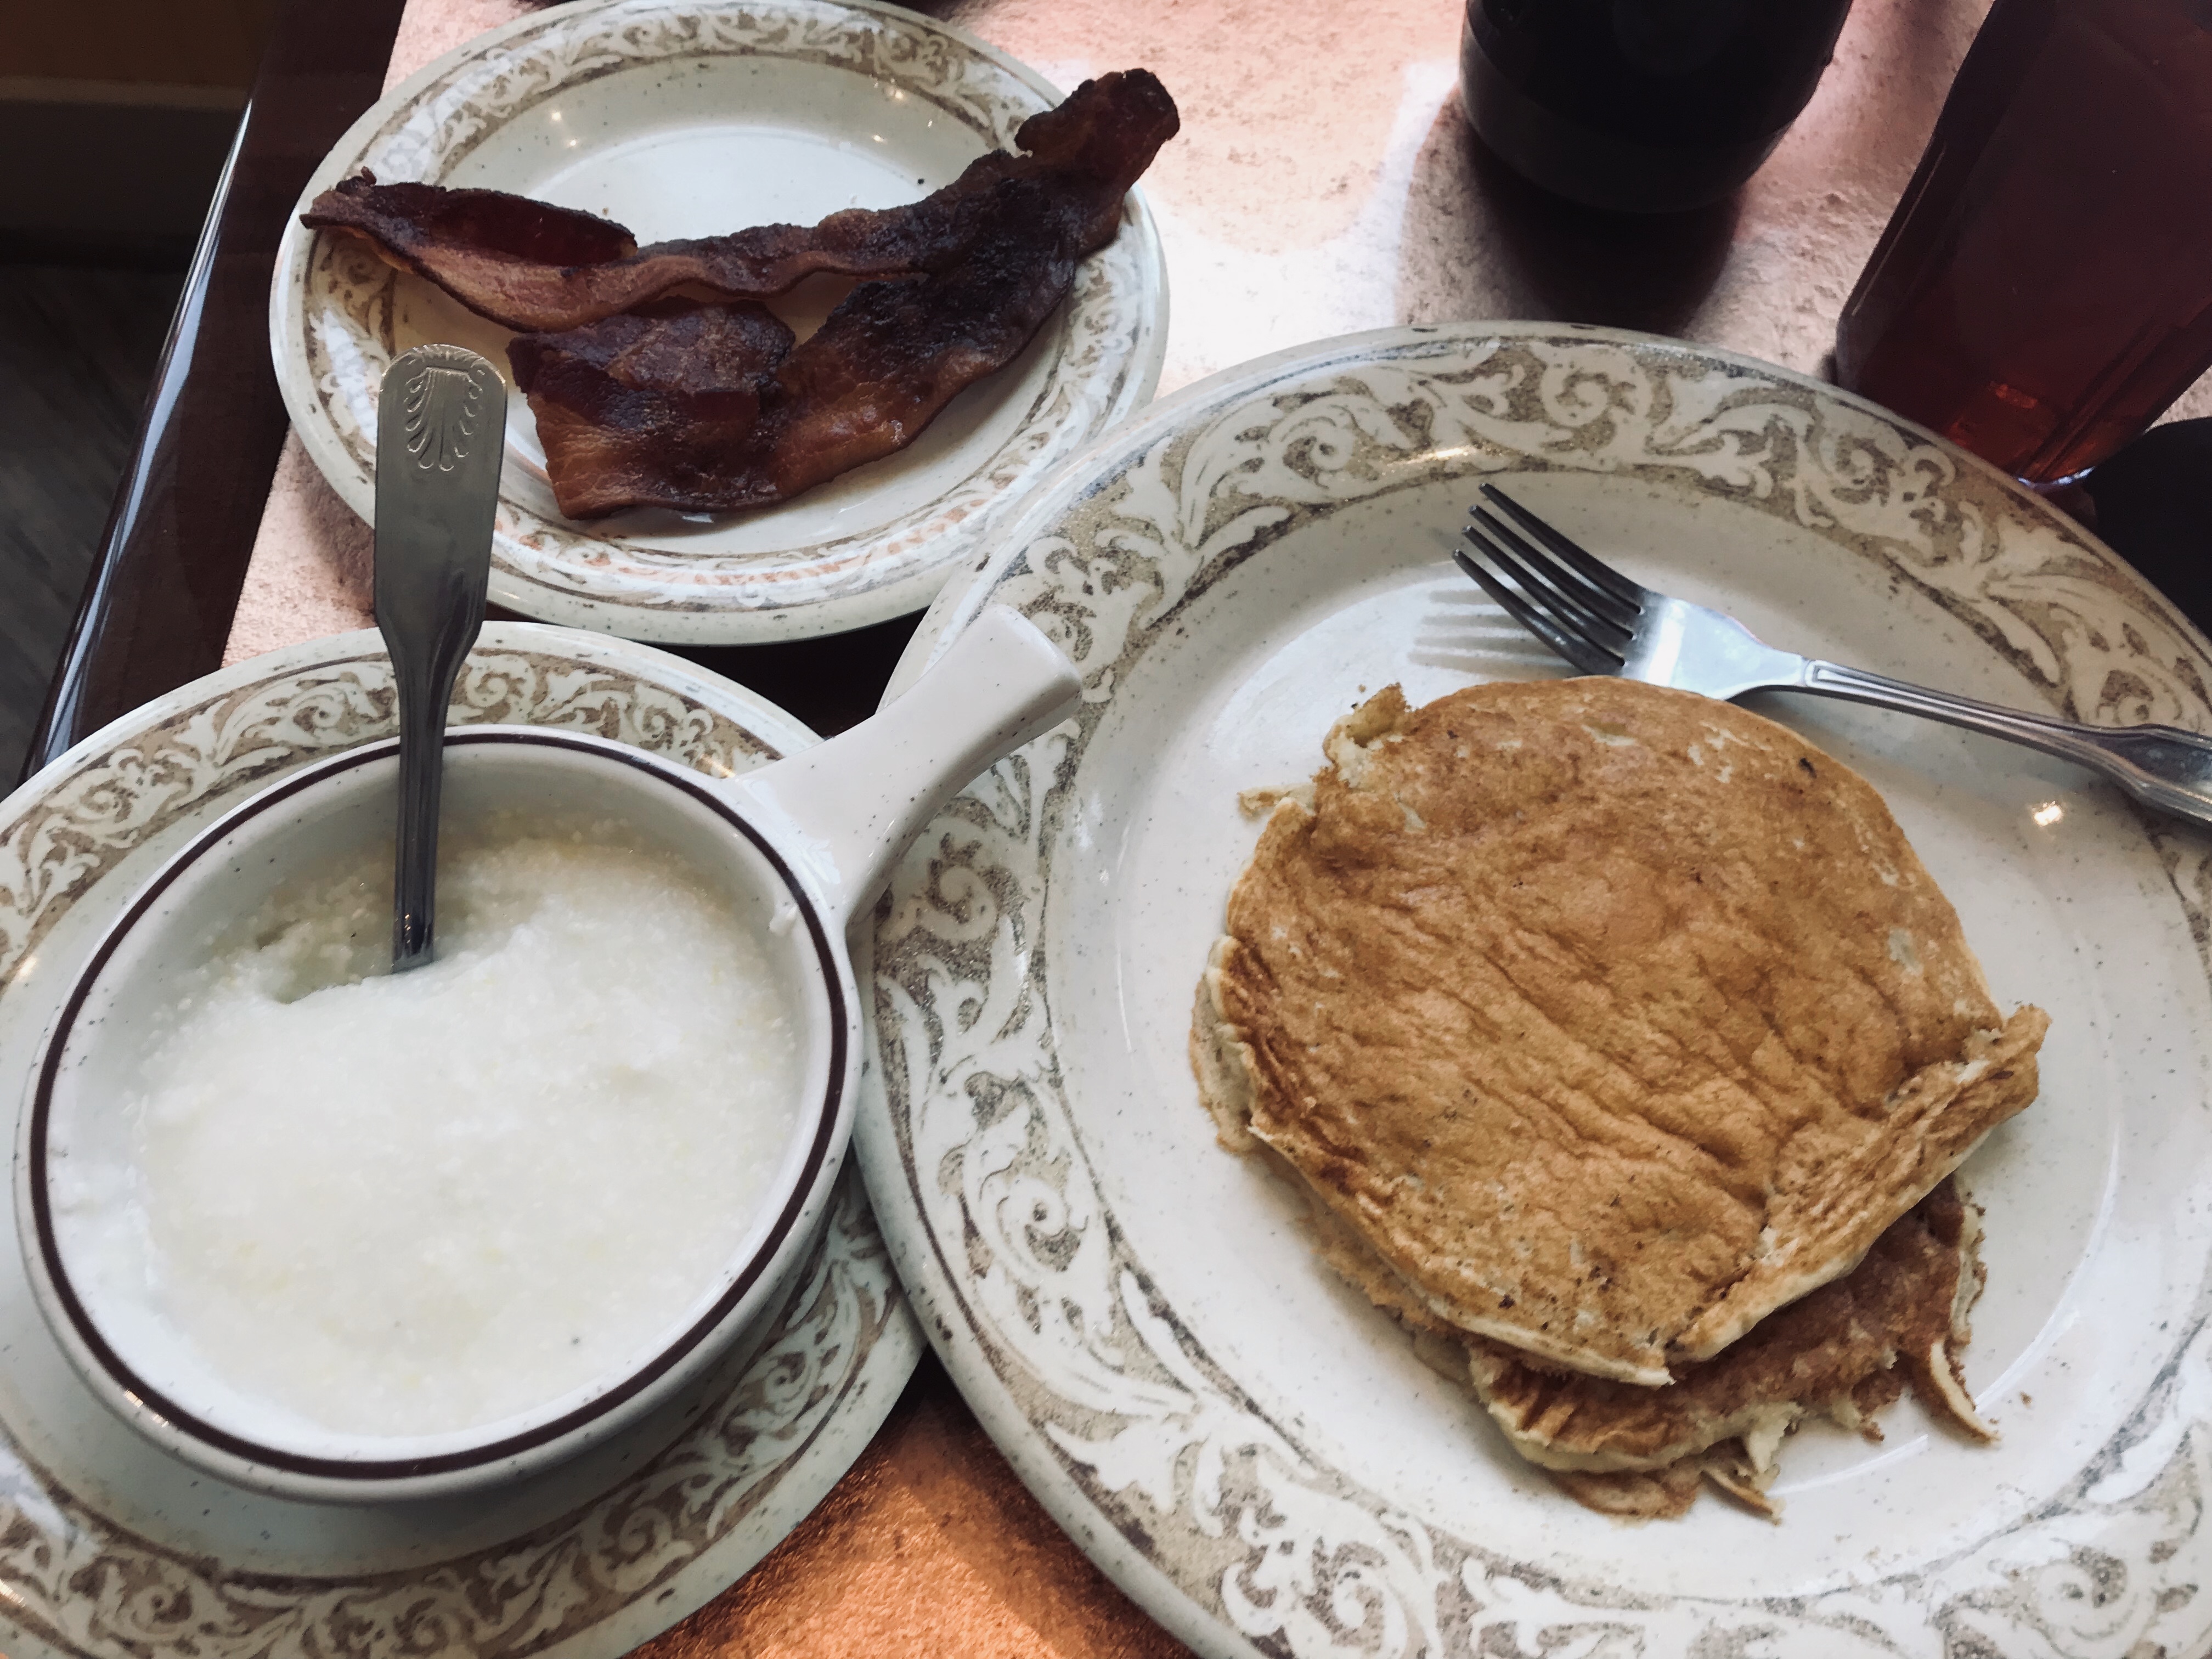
[1642,105]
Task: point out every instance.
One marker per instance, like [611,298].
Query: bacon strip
[649,406]
[466,241]
[540,268]
[632,413]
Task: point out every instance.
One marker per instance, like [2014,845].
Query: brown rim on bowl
[365,1469]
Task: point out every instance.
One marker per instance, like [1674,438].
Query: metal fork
[1604,624]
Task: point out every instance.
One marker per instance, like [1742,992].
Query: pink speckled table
[1324,181]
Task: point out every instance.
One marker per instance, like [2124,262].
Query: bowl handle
[845,810]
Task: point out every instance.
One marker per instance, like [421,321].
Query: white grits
[415,1204]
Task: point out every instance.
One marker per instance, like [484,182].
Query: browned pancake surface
[1847,1352]
[1612,1017]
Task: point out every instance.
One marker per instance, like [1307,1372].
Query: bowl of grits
[344,1235]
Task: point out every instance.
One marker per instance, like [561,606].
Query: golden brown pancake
[1611,1018]
[1847,1352]
[1836,1351]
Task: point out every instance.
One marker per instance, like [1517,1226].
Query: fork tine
[1584,653]
[1557,587]
[1586,564]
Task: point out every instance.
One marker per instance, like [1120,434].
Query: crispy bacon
[660,398]
[633,411]
[540,268]
[467,241]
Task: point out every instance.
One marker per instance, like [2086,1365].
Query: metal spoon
[440,434]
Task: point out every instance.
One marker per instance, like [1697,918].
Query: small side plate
[682,118]
[113,1549]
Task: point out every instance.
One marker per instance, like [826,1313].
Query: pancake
[1847,1352]
[1610,1019]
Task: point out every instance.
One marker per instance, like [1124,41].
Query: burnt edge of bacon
[704,406]
[543,270]
[431,230]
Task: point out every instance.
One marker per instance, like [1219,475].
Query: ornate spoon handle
[441,432]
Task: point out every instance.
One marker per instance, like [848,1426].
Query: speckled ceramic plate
[692,117]
[110,1549]
[1250,1448]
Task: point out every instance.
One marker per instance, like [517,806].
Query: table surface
[1324,181]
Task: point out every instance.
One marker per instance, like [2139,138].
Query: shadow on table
[1481,241]
[2154,510]
[830,682]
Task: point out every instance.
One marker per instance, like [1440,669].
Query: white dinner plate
[110,1549]
[1249,1448]
[694,117]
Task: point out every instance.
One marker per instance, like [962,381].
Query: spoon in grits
[441,430]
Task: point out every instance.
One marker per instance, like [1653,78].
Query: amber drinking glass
[2044,290]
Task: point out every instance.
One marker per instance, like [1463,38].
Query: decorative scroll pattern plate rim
[330,311]
[1222,1520]
[662,1541]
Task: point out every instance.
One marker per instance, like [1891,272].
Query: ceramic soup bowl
[799,848]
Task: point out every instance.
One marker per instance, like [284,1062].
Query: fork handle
[2162,766]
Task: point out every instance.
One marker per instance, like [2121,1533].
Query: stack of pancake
[1626,1050]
